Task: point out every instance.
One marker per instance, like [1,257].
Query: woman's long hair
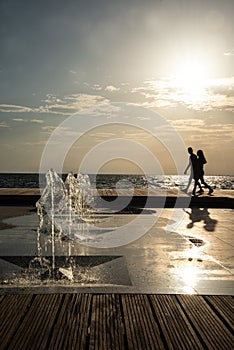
[201,156]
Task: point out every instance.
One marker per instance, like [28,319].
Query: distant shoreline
[105,174]
[111,181]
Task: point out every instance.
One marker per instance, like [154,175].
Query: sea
[31,180]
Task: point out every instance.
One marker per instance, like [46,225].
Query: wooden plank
[210,329]
[141,328]
[130,323]
[34,330]
[22,191]
[140,192]
[224,307]
[114,321]
[95,327]
[127,193]
[105,192]
[137,192]
[71,326]
[176,328]
[1,298]
[111,192]
[106,325]
[12,192]
[100,191]
[121,192]
[13,310]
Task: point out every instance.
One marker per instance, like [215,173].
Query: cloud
[71,104]
[111,88]
[103,134]
[34,143]
[48,129]
[72,72]
[37,121]
[164,93]
[63,134]
[229,52]
[4,125]
[50,98]
[20,120]
[207,95]
[96,87]
[157,93]
[181,123]
[60,109]
[224,87]
[198,129]
[6,108]
[66,106]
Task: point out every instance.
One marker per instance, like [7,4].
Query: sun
[191,70]
[190,78]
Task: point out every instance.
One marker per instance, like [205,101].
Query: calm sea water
[29,180]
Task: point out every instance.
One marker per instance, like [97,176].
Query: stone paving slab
[185,251]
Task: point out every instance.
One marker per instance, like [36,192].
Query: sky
[175,58]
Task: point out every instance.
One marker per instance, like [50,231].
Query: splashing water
[65,210]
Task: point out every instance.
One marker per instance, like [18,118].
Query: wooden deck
[114,321]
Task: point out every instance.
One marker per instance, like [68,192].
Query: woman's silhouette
[201,161]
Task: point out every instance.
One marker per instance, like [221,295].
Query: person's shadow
[201,214]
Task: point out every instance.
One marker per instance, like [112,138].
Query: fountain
[66,229]
[65,212]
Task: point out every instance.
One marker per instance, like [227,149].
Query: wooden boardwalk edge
[116,321]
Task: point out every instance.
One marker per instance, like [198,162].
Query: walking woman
[201,161]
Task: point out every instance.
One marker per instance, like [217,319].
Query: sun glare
[191,71]
[190,78]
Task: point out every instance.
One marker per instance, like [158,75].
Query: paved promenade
[172,288]
[185,251]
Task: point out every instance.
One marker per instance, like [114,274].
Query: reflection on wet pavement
[201,215]
[196,257]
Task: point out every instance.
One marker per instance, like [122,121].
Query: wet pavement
[185,251]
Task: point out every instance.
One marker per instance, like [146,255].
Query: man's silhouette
[194,173]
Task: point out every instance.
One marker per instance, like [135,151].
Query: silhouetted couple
[196,162]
